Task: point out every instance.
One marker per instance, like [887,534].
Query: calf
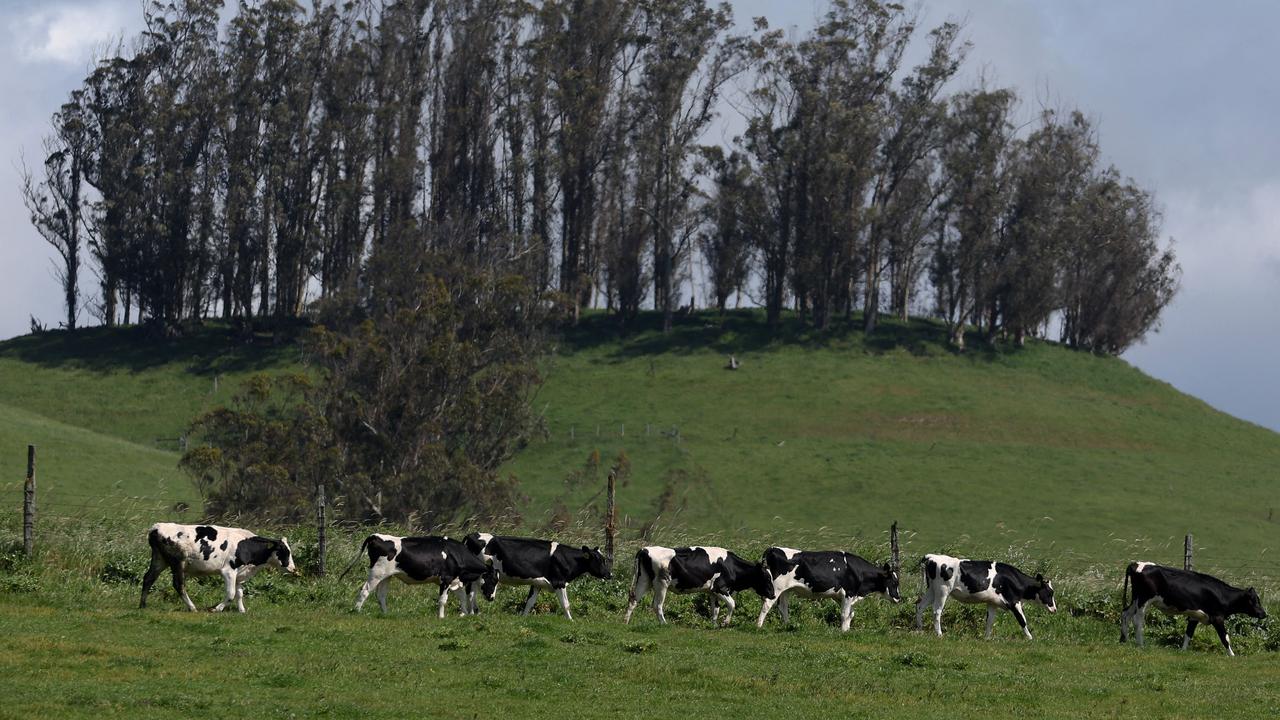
[234,553]
[829,574]
[419,560]
[996,584]
[711,570]
[543,564]
[1202,598]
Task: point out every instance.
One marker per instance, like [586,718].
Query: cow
[419,560]
[478,543]
[711,570]
[234,553]
[543,564]
[996,584]
[1202,598]
[830,574]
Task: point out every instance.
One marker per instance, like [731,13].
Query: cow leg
[1139,619]
[1191,630]
[846,613]
[153,572]
[562,593]
[444,596]
[1021,618]
[472,592]
[369,584]
[639,588]
[938,602]
[240,595]
[991,620]
[383,587]
[765,606]
[660,599]
[783,610]
[180,584]
[533,598]
[921,604]
[1221,626]
[1126,617]
[464,601]
[728,603]
[229,580]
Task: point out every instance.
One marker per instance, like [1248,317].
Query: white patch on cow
[554,545]
[714,554]
[789,552]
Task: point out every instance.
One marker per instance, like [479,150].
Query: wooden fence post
[1186,553]
[322,542]
[29,504]
[895,558]
[610,516]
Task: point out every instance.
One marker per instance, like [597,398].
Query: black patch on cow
[380,548]
[253,551]
[931,569]
[206,549]
[223,546]
[205,532]
[528,558]
[974,575]
[691,568]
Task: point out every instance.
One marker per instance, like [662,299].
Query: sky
[1183,92]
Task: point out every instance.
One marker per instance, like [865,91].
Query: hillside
[1078,458]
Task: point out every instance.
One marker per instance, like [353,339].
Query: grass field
[1080,459]
[74,645]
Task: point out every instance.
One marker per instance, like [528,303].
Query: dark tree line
[243,168]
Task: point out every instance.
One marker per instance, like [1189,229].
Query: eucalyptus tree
[57,203]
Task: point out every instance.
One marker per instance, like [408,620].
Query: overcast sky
[1183,90]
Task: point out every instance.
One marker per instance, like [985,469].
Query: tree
[423,392]
[56,203]
[734,215]
[973,164]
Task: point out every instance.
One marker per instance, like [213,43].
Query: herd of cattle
[481,562]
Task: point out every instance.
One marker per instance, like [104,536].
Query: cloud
[68,33]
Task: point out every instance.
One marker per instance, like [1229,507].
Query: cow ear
[586,549]
[886,567]
[1039,578]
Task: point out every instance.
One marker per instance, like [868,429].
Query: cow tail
[359,553]
[642,565]
[1124,594]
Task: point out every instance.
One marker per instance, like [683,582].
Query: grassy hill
[1079,458]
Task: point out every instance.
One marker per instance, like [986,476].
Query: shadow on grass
[740,332]
[205,349]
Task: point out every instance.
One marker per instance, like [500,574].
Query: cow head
[763,584]
[597,563]
[284,556]
[1045,593]
[891,583]
[489,584]
[1252,605]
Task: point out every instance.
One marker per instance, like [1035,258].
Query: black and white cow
[478,543]
[711,570]
[420,560]
[830,574]
[543,564]
[234,553]
[1202,598]
[996,584]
